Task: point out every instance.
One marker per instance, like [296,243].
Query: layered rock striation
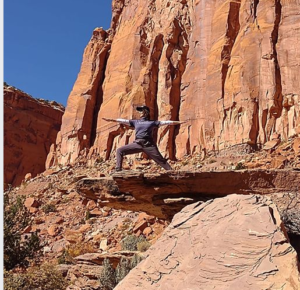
[229,67]
[164,195]
[30,127]
[253,253]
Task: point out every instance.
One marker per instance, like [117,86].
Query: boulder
[31,202]
[235,242]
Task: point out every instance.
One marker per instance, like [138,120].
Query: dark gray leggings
[151,151]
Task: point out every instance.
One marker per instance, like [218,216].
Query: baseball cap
[142,108]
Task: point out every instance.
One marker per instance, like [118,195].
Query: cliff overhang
[163,195]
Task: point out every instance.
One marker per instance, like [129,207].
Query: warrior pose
[143,138]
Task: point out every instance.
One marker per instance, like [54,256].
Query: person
[143,138]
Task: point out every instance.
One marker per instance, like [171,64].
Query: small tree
[108,276]
[16,218]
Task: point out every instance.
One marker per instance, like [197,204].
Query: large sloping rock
[30,127]
[235,242]
[229,67]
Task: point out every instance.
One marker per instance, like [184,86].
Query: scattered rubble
[75,228]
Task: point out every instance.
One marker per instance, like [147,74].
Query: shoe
[116,170]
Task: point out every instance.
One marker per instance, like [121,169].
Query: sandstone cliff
[30,127]
[230,67]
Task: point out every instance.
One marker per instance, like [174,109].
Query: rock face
[229,67]
[253,253]
[163,195]
[30,127]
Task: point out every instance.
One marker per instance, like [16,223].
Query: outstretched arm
[165,123]
[121,121]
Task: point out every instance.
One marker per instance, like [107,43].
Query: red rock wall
[30,127]
[229,67]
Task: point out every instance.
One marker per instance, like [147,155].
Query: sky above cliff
[44,43]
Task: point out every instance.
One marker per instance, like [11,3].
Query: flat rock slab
[234,242]
[163,195]
[98,258]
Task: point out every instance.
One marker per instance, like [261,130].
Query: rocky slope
[30,127]
[81,224]
[229,67]
[76,233]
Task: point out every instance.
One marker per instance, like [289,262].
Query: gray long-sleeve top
[144,127]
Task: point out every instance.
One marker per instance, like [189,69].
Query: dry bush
[65,258]
[45,277]
[14,281]
[80,248]
[130,242]
[108,276]
[123,269]
[135,260]
[143,246]
[49,208]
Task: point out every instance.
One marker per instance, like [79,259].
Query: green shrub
[16,218]
[123,269]
[49,208]
[135,260]
[45,277]
[14,281]
[239,166]
[87,215]
[81,248]
[108,276]
[143,246]
[129,243]
[65,258]
[126,265]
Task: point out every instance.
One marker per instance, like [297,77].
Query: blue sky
[44,42]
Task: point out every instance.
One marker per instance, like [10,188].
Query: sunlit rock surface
[235,242]
[30,127]
[231,68]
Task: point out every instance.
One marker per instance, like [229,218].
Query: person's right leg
[153,153]
[126,150]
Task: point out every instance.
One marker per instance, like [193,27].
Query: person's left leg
[126,150]
[153,153]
